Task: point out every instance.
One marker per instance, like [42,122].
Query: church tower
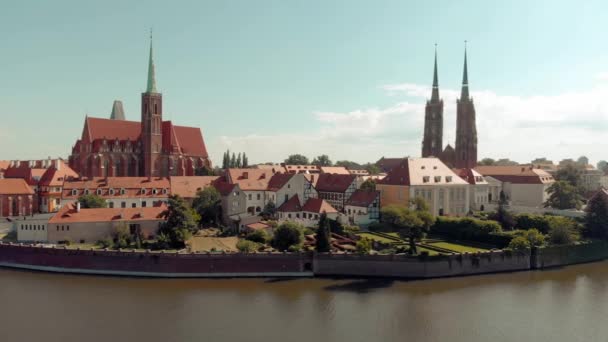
[466,130]
[151,123]
[432,142]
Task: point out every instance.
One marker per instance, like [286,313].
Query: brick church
[147,148]
[464,156]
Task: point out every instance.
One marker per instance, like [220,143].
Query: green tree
[92,201]
[259,236]
[373,169]
[245,162]
[322,235]
[505,162]
[247,246]
[602,165]
[487,162]
[204,171]
[535,237]
[322,160]
[239,161]
[519,243]
[572,174]
[596,216]
[369,185]
[561,235]
[296,159]
[409,223]
[208,205]
[181,222]
[226,160]
[563,195]
[270,209]
[288,236]
[349,164]
[233,162]
[364,246]
[502,215]
[121,235]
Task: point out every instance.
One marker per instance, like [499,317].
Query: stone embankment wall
[155,264]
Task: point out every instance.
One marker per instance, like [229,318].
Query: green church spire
[435,94]
[151,88]
[464,93]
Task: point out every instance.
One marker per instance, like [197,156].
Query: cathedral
[151,147]
[464,155]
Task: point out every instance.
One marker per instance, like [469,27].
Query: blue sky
[345,78]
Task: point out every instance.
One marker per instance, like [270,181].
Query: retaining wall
[555,256]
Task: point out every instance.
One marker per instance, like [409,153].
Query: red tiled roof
[421,171]
[317,205]
[341,170]
[188,186]
[98,128]
[301,168]
[517,174]
[386,164]
[223,187]
[257,226]
[54,177]
[291,206]
[4,164]
[470,176]
[14,186]
[249,179]
[329,182]
[68,214]
[362,198]
[278,180]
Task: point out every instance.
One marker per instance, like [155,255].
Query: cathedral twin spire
[151,87]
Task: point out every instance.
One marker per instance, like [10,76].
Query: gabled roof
[422,171]
[224,187]
[470,176]
[249,179]
[278,181]
[188,186]
[386,164]
[516,174]
[362,198]
[109,129]
[291,206]
[14,186]
[188,139]
[317,205]
[329,182]
[68,214]
[131,185]
[55,177]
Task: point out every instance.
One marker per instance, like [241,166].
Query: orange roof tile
[14,186]
[68,214]
[340,170]
[317,205]
[188,186]
[517,174]
[291,206]
[422,171]
[249,179]
[132,186]
[278,180]
[362,198]
[329,182]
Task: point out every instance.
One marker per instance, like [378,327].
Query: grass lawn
[422,249]
[456,247]
[376,238]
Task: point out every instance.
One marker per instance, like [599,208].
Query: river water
[567,304]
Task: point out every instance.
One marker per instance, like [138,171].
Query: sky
[344,78]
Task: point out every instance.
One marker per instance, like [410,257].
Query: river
[567,304]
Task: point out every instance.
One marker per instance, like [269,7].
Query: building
[300,168]
[234,204]
[151,147]
[522,185]
[387,164]
[432,142]
[187,187]
[254,184]
[479,189]
[466,128]
[119,192]
[74,224]
[306,214]
[336,189]
[16,198]
[363,207]
[427,178]
[340,170]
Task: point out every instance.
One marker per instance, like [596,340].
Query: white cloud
[521,128]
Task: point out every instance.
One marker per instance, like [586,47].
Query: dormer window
[99,191]
[448,179]
[74,192]
[154,191]
[111,192]
[143,191]
[165,191]
[86,191]
[123,191]
[426,179]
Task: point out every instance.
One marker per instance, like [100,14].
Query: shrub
[247,246]
[364,246]
[287,235]
[105,243]
[484,231]
[259,236]
[534,237]
[529,221]
[519,243]
[561,235]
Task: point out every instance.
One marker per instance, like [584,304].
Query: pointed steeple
[435,94]
[151,88]
[464,93]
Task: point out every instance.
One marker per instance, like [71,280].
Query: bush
[259,236]
[534,237]
[519,243]
[287,235]
[105,243]
[247,246]
[484,231]
[364,246]
[529,221]
[562,235]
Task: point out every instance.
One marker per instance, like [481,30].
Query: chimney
[77,207]
[58,164]
[245,175]
[312,178]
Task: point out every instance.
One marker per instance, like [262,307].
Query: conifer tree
[322,235]
[233,160]
[245,160]
[239,162]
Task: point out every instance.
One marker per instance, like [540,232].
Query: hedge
[484,231]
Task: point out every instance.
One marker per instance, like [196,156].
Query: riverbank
[230,265]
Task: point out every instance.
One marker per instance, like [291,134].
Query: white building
[522,185]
